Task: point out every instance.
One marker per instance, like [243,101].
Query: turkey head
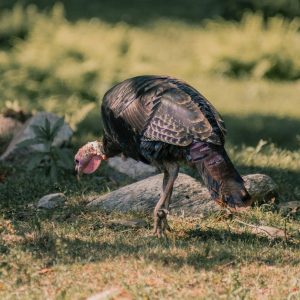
[88,158]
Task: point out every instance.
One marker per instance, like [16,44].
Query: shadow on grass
[248,130]
[203,248]
[206,249]
[214,247]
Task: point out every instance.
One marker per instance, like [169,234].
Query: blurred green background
[243,55]
[138,12]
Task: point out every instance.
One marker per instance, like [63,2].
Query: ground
[72,253]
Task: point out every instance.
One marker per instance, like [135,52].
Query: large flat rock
[190,197]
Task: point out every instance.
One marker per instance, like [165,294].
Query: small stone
[132,168]
[51,201]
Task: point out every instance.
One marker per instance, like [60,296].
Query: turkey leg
[162,206]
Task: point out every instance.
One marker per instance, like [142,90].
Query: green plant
[51,158]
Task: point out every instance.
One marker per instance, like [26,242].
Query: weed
[52,159]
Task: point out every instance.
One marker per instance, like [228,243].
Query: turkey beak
[78,171]
[78,177]
[78,174]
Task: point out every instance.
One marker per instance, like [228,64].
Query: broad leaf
[39,131]
[57,126]
[28,142]
[47,127]
[53,172]
[35,160]
[47,146]
[65,158]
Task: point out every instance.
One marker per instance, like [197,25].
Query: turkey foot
[160,223]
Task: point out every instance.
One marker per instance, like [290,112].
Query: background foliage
[48,62]
[136,12]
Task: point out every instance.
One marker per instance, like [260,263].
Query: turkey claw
[160,223]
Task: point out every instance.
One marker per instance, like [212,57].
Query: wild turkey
[162,121]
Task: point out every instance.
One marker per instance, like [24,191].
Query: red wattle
[92,166]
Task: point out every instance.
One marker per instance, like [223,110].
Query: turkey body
[152,118]
[161,120]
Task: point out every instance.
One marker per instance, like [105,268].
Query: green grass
[47,62]
[72,253]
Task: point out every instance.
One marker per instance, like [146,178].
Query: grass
[72,253]
[50,63]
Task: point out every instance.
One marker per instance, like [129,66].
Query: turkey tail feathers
[224,183]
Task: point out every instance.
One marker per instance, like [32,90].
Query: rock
[132,168]
[8,128]
[52,201]
[261,187]
[291,206]
[190,197]
[26,132]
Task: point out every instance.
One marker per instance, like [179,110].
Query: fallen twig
[271,232]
